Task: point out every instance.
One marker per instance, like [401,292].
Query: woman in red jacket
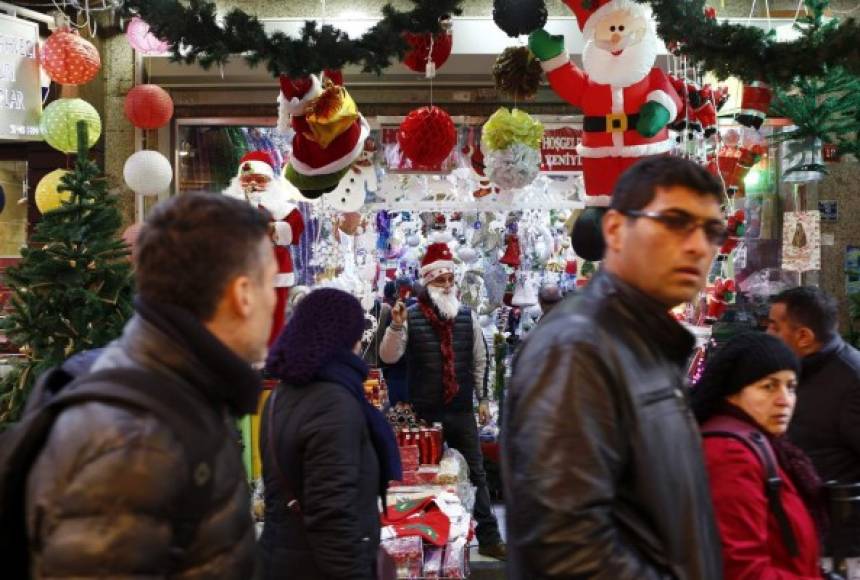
[744,402]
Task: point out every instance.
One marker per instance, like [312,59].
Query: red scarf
[445,331]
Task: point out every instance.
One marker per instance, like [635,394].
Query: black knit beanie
[743,360]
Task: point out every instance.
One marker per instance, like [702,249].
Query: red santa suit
[287,223]
[610,142]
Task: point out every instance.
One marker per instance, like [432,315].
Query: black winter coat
[826,422]
[603,469]
[325,452]
[102,493]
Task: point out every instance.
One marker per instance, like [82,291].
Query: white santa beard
[275,198]
[447,303]
[628,68]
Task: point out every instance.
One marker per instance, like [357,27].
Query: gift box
[433,558]
[408,556]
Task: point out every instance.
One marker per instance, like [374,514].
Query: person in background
[745,400]
[826,423]
[324,446]
[601,461]
[447,359]
[102,495]
[548,297]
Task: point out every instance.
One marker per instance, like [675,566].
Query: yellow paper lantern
[59,124]
[48,196]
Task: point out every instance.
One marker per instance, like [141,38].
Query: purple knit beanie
[324,323]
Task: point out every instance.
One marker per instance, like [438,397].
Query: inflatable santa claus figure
[627,103]
[258,184]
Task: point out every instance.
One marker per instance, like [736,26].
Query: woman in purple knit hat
[327,454]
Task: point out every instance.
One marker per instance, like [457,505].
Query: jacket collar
[171,339]
[813,362]
[650,316]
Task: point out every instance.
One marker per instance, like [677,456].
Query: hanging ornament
[48,195]
[511,143]
[514,167]
[427,136]
[70,59]
[517,73]
[513,254]
[425,47]
[58,124]
[142,40]
[804,160]
[349,223]
[518,17]
[148,107]
[147,173]
[739,153]
[755,103]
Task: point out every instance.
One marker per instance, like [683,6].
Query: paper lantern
[420,44]
[59,124]
[148,107]
[427,136]
[514,167]
[69,59]
[142,40]
[147,173]
[48,196]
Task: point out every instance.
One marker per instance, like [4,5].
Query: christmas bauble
[48,197]
[59,124]
[69,59]
[420,44]
[148,107]
[518,17]
[142,40]
[427,136]
[147,173]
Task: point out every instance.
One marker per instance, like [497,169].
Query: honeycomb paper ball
[59,124]
[148,107]
[70,59]
[147,173]
[142,40]
[419,49]
[48,196]
[427,136]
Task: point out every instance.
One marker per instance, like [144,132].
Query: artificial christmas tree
[72,290]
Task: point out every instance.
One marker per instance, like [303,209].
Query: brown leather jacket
[99,496]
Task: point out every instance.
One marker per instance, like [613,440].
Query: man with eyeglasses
[447,361]
[602,463]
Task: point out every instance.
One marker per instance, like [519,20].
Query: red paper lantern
[69,59]
[148,107]
[420,42]
[427,136]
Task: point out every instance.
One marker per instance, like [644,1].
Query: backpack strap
[728,427]
[199,430]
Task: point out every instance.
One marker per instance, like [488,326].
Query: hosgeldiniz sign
[20,90]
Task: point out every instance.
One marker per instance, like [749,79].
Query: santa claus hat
[257,163]
[295,96]
[437,261]
[589,12]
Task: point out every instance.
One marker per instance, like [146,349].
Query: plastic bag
[453,468]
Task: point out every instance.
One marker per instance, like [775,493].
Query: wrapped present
[408,556]
[454,564]
[433,558]
[409,457]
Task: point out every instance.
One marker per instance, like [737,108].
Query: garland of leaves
[196,35]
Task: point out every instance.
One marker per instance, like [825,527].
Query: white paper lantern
[147,173]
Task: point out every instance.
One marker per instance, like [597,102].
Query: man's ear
[237,296]
[613,230]
[805,337]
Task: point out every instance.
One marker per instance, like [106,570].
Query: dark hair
[637,186]
[811,307]
[192,245]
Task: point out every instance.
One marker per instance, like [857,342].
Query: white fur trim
[597,200]
[276,203]
[285,280]
[283,233]
[643,150]
[435,269]
[257,168]
[337,164]
[297,106]
[283,115]
[664,99]
[555,62]
[631,5]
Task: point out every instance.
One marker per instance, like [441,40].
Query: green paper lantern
[59,124]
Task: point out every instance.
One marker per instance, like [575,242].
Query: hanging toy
[755,103]
[719,299]
[737,228]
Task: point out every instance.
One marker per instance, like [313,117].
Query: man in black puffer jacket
[602,460]
[102,496]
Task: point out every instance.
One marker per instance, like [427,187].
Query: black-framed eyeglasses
[684,224]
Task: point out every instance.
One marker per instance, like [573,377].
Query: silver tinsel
[514,167]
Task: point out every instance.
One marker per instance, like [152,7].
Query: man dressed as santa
[627,102]
[258,184]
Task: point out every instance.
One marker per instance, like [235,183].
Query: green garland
[750,53]
[195,35]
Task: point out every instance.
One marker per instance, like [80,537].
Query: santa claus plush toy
[626,101]
[258,184]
